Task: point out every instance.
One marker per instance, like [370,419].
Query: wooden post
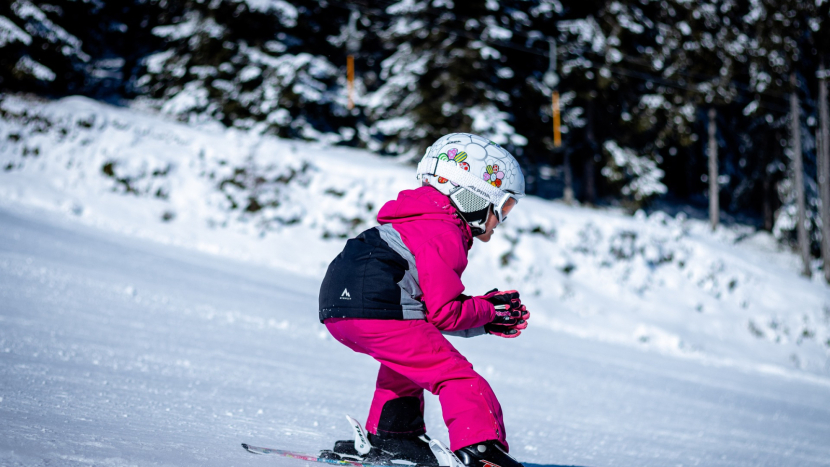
[352,46]
[350,78]
[714,189]
[824,168]
[557,135]
[798,169]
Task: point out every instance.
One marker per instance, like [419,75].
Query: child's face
[493,220]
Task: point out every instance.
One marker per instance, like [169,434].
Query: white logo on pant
[345,295]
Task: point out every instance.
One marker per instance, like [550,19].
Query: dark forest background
[637,82]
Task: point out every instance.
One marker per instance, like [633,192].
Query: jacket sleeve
[440,264]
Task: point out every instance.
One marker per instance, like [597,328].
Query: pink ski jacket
[440,240]
[408,268]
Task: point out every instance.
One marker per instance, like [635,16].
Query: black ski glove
[511,316]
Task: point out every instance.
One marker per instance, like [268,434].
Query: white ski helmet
[475,173]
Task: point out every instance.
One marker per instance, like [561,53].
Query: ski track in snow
[116,351]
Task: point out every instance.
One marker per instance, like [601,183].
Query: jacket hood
[424,203]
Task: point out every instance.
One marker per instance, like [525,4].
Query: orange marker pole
[350,77]
[557,135]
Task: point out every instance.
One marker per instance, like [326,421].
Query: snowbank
[655,282]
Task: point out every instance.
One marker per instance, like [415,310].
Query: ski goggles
[504,207]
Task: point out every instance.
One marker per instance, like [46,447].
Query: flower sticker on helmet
[454,155]
[493,175]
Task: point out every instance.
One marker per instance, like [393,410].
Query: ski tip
[251,449]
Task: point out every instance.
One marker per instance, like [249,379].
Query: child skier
[395,289]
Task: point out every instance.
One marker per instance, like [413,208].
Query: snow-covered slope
[116,351]
[656,283]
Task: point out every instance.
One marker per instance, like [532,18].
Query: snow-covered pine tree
[118,36]
[698,48]
[601,62]
[251,64]
[601,44]
[782,33]
[37,54]
[533,103]
[76,47]
[444,73]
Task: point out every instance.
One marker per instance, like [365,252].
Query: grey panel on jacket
[472,332]
[413,307]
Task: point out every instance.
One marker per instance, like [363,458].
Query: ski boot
[486,454]
[412,449]
[375,449]
[342,450]
[385,450]
[355,449]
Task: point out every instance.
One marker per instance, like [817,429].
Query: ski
[316,458]
[362,446]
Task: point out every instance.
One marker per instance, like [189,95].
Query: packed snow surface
[117,351]
[158,306]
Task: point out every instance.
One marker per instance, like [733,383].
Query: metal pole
[552,58]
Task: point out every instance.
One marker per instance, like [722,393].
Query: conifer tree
[598,65]
[699,47]
[37,54]
[781,33]
[249,64]
[443,74]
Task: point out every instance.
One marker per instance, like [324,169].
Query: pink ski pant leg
[414,355]
[392,385]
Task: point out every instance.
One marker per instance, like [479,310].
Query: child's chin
[485,237]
